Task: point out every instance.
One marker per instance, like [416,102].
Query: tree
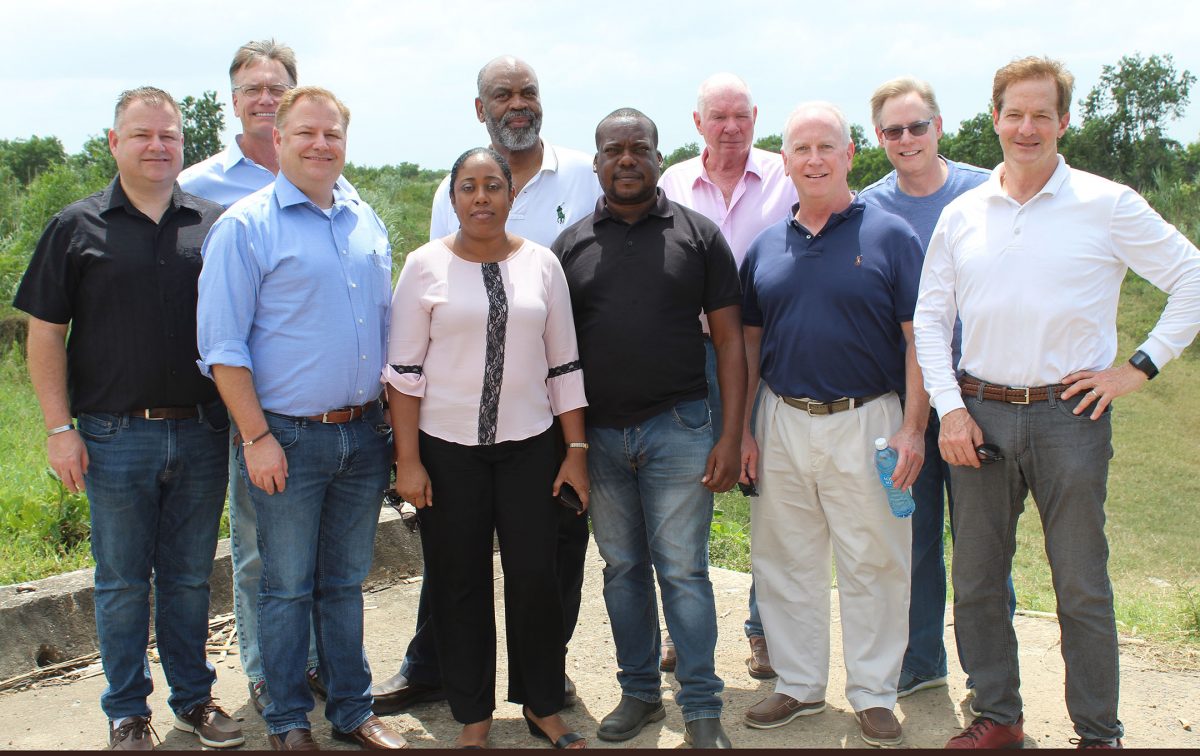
[26,158]
[1124,118]
[974,143]
[203,122]
[95,158]
[686,152]
[770,143]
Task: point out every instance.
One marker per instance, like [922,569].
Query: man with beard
[554,187]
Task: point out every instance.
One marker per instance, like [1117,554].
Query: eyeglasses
[254,90]
[892,133]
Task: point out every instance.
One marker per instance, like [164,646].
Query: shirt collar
[855,207]
[287,194]
[114,197]
[234,155]
[751,166]
[661,208]
[995,185]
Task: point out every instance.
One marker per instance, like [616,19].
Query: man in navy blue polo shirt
[829,298]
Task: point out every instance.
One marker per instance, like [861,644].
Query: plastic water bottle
[899,500]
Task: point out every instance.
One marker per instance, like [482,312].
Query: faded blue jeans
[1062,459]
[316,539]
[651,515]
[156,489]
[247,570]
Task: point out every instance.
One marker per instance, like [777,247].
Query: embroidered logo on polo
[562,217]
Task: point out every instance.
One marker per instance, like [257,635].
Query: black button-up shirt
[637,292]
[127,286]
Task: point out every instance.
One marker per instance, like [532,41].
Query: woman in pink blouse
[482,357]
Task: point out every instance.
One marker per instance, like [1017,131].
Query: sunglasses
[989,453]
[892,133]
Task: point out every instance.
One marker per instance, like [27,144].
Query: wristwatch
[1142,361]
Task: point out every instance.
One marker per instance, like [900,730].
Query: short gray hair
[721,82]
[264,49]
[148,95]
[814,106]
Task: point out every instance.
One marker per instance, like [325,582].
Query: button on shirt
[564,190]
[225,177]
[1037,285]
[127,286]
[299,297]
[763,196]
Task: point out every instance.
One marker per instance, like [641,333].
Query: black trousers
[477,490]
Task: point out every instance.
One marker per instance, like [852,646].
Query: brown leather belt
[827,408]
[166,413]
[1011,394]
[340,415]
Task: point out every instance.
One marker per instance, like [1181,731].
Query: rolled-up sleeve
[408,334]
[229,285]
[564,383]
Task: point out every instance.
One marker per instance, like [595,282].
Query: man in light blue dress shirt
[291,322]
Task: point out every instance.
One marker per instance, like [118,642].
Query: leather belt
[166,413]
[340,415]
[1010,394]
[827,408]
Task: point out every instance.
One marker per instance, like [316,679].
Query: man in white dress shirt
[1032,262]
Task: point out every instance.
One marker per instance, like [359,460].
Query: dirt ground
[1160,705]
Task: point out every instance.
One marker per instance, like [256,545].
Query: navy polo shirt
[831,303]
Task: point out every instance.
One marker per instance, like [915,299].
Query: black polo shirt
[637,292]
[127,286]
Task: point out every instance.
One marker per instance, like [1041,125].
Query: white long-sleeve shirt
[1037,285]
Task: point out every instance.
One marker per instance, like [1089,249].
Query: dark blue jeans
[925,657]
[316,540]
[156,489]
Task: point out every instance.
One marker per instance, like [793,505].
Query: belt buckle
[325,416]
[1019,388]
[809,409]
[146,415]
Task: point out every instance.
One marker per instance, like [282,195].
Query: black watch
[1142,361]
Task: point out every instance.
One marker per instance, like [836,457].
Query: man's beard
[514,140]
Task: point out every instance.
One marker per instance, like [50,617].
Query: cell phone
[747,489]
[569,498]
[989,453]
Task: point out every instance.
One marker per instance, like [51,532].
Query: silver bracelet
[60,429]
[578,445]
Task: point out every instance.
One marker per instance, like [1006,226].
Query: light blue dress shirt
[298,297]
[225,177]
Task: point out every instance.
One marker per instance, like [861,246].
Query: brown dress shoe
[879,727]
[374,735]
[293,740]
[667,661]
[759,663]
[133,735]
[778,709]
[398,693]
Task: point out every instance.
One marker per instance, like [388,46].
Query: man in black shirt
[119,269]
[641,269]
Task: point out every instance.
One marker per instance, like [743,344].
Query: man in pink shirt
[743,190]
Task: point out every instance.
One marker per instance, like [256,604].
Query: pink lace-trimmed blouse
[489,347]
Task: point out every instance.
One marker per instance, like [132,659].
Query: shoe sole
[787,720]
[615,737]
[880,742]
[937,682]
[232,743]
[771,675]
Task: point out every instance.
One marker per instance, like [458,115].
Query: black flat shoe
[564,741]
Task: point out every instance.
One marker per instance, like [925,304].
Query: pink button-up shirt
[762,197]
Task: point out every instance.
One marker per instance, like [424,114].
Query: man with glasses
[908,125]
[261,73]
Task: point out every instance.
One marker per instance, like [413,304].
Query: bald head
[505,64]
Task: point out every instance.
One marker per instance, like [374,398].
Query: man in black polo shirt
[119,269]
[641,270]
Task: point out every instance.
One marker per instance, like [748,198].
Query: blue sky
[407,69]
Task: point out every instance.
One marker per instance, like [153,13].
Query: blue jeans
[925,657]
[1062,459]
[650,514]
[247,570]
[316,539]
[156,489]
[753,624]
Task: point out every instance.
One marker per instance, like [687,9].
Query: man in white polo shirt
[1032,262]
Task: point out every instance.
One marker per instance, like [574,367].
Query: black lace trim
[493,363]
[569,367]
[402,369]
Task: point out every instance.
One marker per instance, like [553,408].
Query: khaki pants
[819,492]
